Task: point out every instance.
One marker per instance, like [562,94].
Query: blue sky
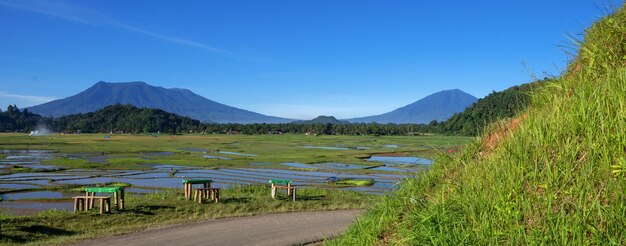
[294,59]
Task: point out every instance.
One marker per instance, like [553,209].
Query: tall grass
[556,178]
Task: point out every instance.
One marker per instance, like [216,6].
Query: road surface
[271,229]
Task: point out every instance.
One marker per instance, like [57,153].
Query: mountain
[493,107]
[438,106]
[322,119]
[555,173]
[127,119]
[142,95]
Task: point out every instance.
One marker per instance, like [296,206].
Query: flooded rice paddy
[324,147]
[401,160]
[31,191]
[235,153]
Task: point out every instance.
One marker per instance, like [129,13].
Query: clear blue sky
[294,59]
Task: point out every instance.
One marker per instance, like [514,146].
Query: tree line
[129,119]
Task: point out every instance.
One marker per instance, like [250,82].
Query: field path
[272,229]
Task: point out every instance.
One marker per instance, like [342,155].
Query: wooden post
[93,200]
[189,189]
[101,206]
[216,195]
[115,204]
[122,199]
[89,201]
[76,204]
[185,189]
[288,189]
[293,193]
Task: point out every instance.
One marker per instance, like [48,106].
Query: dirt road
[272,229]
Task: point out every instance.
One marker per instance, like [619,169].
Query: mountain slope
[438,106]
[139,94]
[127,119]
[553,175]
[493,107]
[322,119]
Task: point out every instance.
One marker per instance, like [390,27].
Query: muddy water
[170,176]
[297,165]
[235,153]
[16,186]
[26,207]
[401,160]
[27,158]
[340,166]
[37,195]
[216,157]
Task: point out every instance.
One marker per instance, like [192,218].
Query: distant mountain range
[139,94]
[322,119]
[438,106]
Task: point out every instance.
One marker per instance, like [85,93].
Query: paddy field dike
[40,174]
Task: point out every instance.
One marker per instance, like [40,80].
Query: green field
[131,152]
[126,151]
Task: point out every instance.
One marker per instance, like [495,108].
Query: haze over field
[286,59]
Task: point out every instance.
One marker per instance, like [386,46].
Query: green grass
[152,210]
[555,179]
[127,152]
[356,182]
[71,163]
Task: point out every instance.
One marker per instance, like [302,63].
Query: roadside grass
[166,208]
[552,176]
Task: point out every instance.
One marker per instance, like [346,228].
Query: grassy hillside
[553,175]
[493,107]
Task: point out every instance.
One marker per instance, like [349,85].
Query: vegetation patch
[355,182]
[166,208]
[72,163]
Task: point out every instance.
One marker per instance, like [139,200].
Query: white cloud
[39,99]
[92,17]
[23,101]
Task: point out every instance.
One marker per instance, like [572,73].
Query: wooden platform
[188,186]
[283,184]
[84,203]
[206,193]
